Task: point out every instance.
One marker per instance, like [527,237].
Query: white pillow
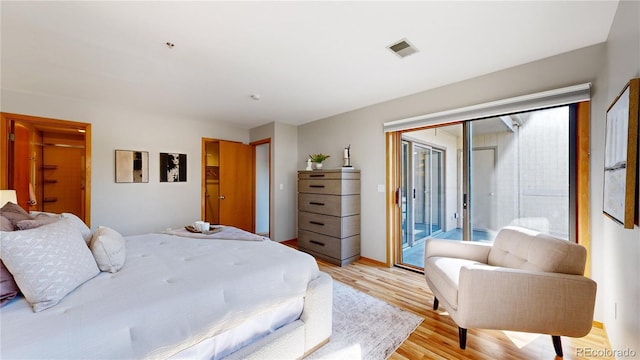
[47,262]
[82,227]
[107,246]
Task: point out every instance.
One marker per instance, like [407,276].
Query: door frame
[43,123]
[254,145]
[203,180]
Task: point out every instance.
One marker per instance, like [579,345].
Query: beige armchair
[525,281]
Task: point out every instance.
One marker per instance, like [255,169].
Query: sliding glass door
[468,180]
[422,197]
[520,166]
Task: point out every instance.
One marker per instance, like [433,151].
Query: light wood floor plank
[437,336]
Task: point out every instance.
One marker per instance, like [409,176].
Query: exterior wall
[532,172]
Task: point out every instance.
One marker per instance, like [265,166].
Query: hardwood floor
[437,336]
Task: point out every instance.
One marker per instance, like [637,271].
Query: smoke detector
[403,48]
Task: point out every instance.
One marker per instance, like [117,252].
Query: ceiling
[305,60]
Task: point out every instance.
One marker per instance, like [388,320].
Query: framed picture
[621,155]
[173,167]
[132,166]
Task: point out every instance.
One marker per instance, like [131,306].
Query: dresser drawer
[339,227]
[329,174]
[329,187]
[329,204]
[326,245]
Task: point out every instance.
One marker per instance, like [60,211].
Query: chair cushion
[520,248]
[444,273]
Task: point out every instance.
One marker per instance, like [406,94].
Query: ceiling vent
[403,48]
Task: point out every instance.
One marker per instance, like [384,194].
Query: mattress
[172,294]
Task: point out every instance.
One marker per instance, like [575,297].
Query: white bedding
[171,294]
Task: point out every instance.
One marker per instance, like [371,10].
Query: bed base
[301,337]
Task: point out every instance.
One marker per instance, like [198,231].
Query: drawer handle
[316,242]
[316,203]
[316,175]
[316,223]
[316,186]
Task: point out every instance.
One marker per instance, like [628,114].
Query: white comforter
[172,293]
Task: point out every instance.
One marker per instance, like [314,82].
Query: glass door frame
[408,192]
[579,137]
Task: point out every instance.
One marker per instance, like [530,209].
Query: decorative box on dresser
[329,214]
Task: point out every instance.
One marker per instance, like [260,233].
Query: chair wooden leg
[557,345]
[435,303]
[462,334]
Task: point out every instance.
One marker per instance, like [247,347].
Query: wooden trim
[4,151]
[582,179]
[87,174]
[203,176]
[393,140]
[46,123]
[598,324]
[372,262]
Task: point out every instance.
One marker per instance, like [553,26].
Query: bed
[231,295]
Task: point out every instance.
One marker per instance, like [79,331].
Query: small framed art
[132,166]
[173,167]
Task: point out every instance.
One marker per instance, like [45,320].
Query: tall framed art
[621,155]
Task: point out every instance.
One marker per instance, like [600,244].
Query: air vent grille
[403,48]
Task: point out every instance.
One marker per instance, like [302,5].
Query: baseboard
[598,324]
[291,242]
[372,262]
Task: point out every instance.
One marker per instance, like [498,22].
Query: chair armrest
[457,249]
[519,300]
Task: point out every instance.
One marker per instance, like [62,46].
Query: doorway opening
[47,162]
[262,164]
[236,179]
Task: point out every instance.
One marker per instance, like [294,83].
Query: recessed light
[255,97]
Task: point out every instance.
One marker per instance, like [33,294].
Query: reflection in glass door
[422,198]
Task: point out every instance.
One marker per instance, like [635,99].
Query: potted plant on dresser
[317,159]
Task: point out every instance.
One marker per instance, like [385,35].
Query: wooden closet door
[236,190]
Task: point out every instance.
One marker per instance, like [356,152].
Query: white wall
[284,154]
[285,178]
[133,208]
[620,248]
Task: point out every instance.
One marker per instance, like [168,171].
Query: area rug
[365,327]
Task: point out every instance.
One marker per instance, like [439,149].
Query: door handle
[221,197]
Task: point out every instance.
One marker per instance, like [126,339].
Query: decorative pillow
[38,221]
[5,224]
[8,287]
[14,213]
[47,262]
[107,246]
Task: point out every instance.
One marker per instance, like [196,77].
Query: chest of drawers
[329,214]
